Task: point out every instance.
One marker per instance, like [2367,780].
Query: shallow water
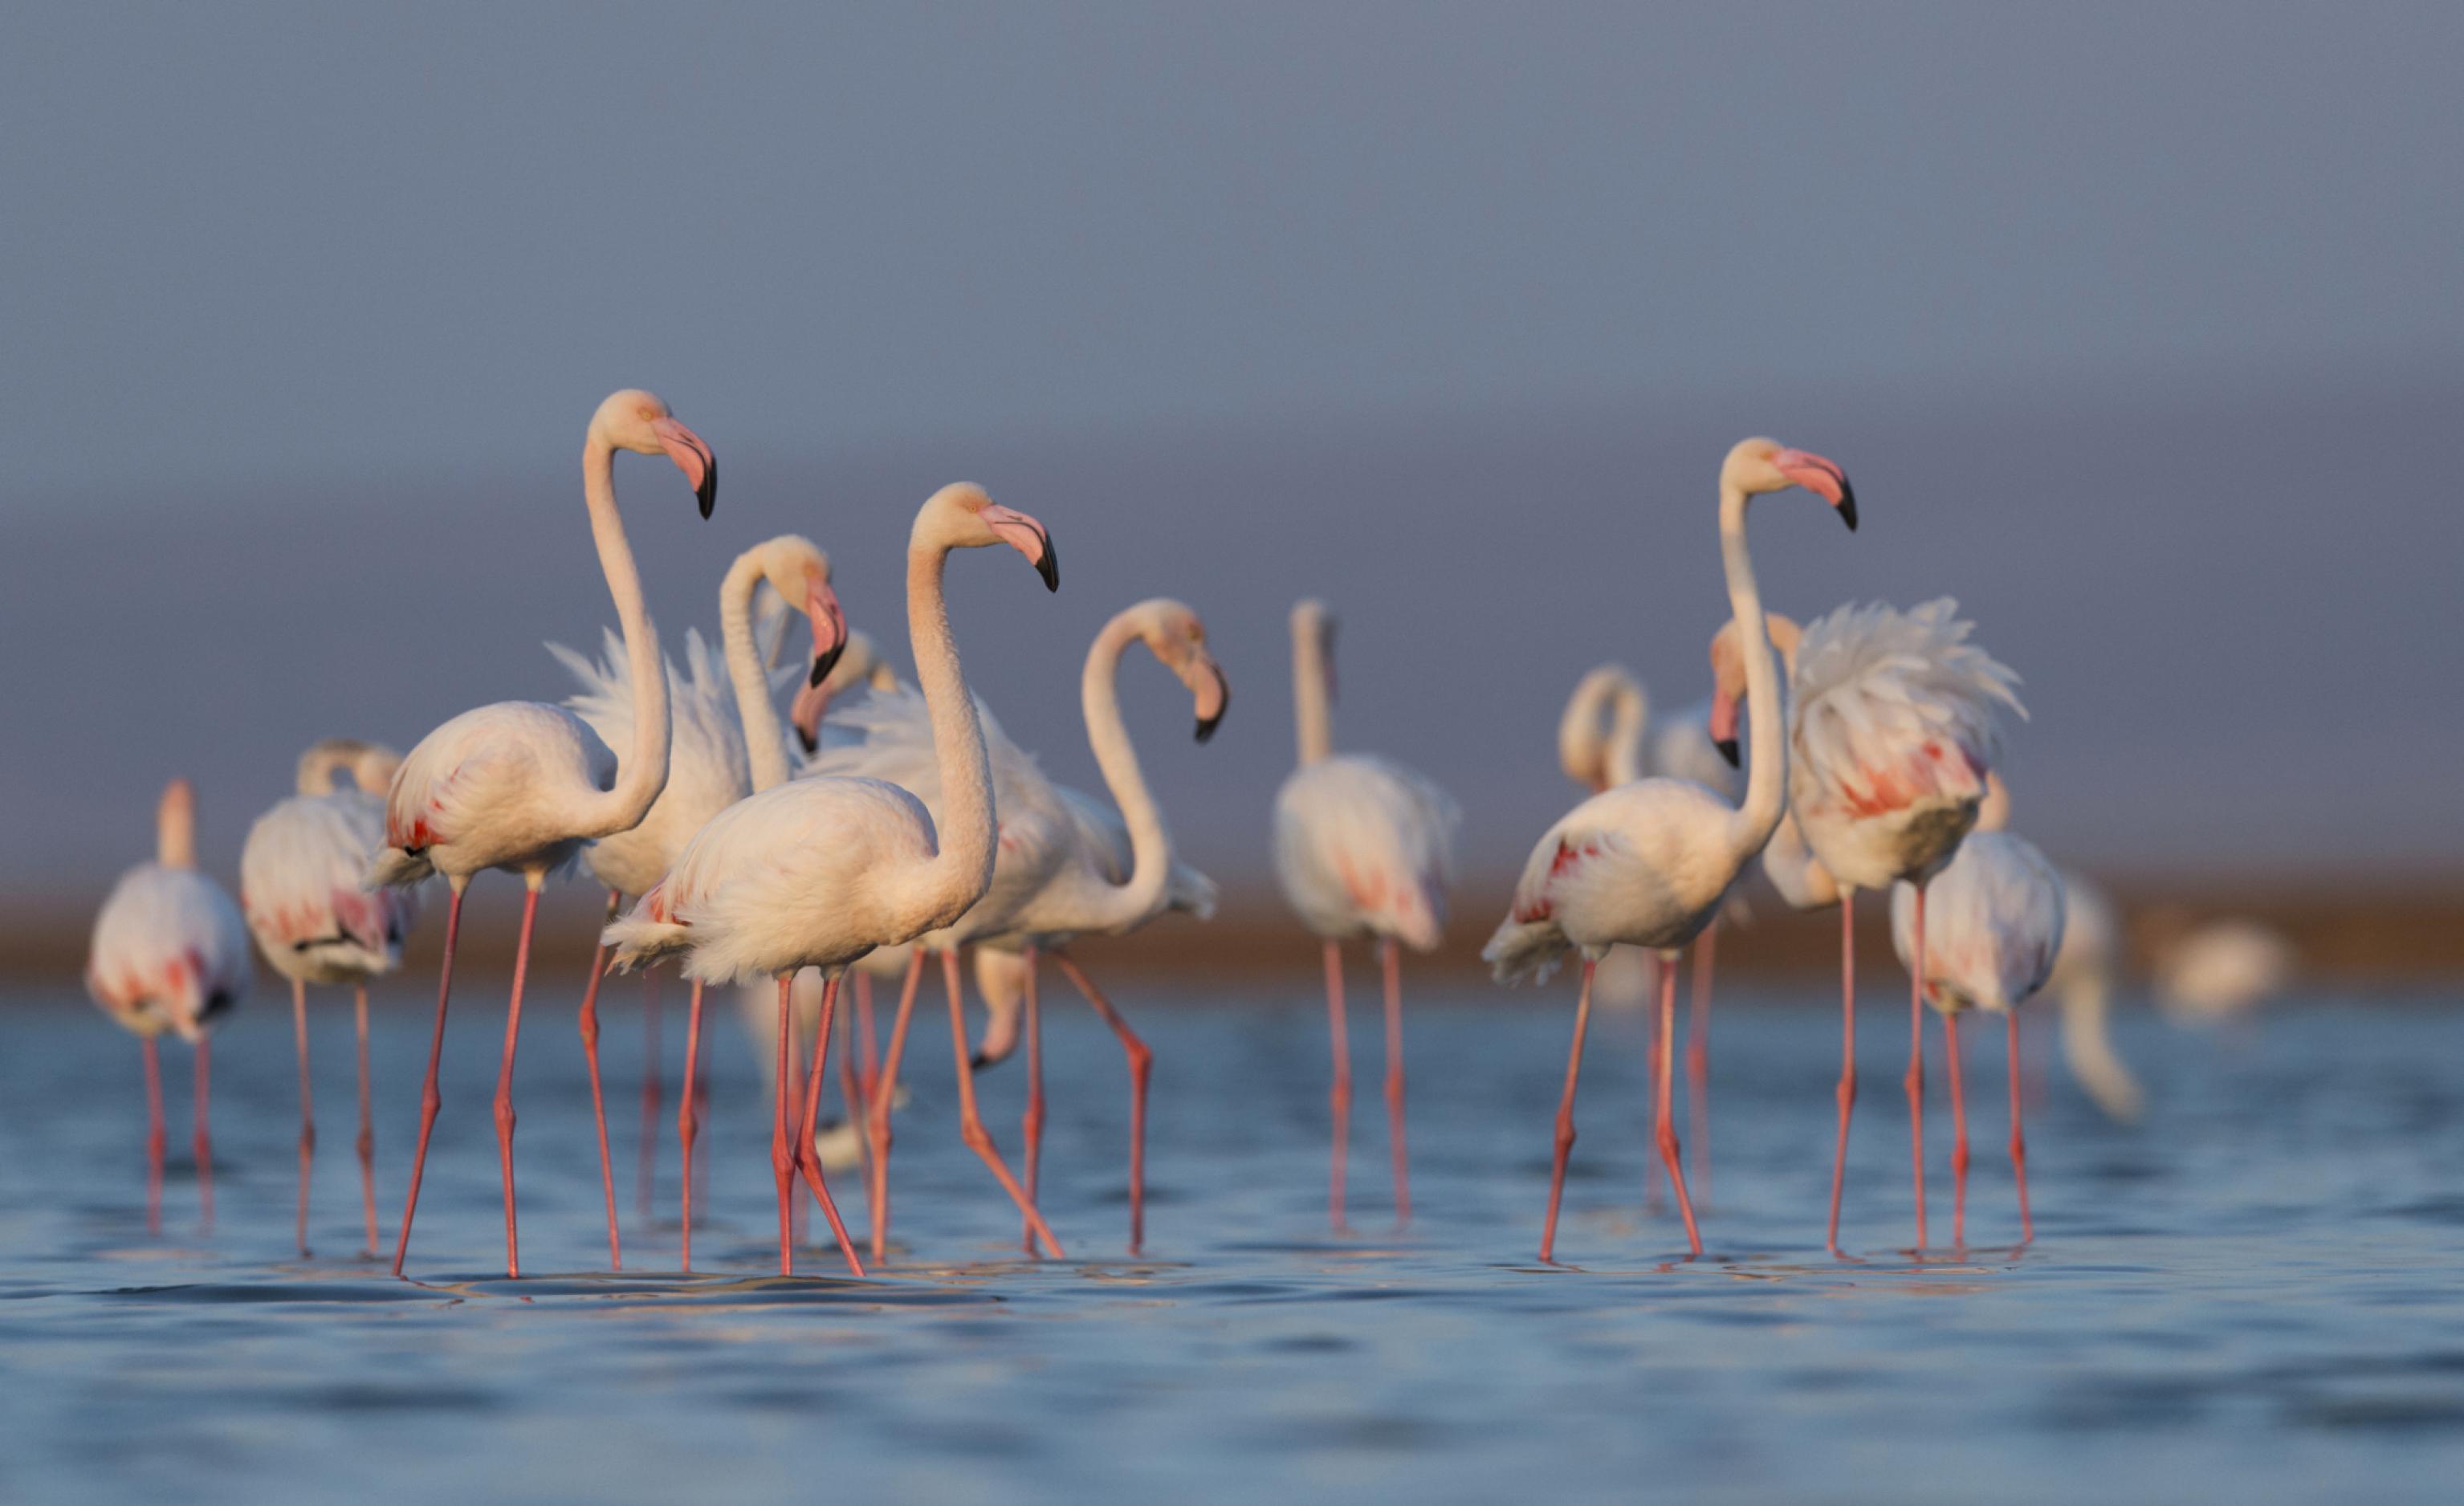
[2252,1296]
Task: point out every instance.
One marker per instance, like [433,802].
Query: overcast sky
[2138,326]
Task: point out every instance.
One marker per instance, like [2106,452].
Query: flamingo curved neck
[961,869]
[1767,738]
[1142,897]
[764,744]
[1312,714]
[175,833]
[1629,712]
[642,768]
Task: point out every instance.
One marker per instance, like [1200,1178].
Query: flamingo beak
[1214,695]
[812,703]
[1821,477]
[693,457]
[1029,538]
[1724,728]
[829,630]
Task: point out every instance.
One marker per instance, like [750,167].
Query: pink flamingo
[299,885]
[815,872]
[1363,848]
[171,952]
[521,786]
[1649,863]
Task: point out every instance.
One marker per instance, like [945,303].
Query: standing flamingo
[1363,848]
[1996,927]
[816,872]
[708,766]
[1599,747]
[521,786]
[171,952]
[1649,863]
[300,886]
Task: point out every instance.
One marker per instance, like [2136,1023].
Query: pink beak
[693,457]
[1029,538]
[1724,728]
[830,640]
[1821,477]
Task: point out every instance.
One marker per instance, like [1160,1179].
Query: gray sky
[2137,325]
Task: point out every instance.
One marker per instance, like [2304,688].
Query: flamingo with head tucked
[300,886]
[1649,863]
[521,785]
[171,952]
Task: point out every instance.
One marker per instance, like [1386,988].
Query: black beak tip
[824,663]
[1049,565]
[1727,747]
[1206,726]
[979,1061]
[1847,506]
[707,494]
[809,742]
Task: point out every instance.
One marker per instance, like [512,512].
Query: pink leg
[687,1118]
[1667,1129]
[430,1100]
[1847,1089]
[154,1136]
[202,1144]
[1141,1067]
[1958,1136]
[1697,1055]
[807,1156]
[885,1087]
[2019,1141]
[1565,1116]
[1339,1096]
[505,1078]
[1650,1059]
[1915,1065]
[851,1091]
[869,1065]
[782,1159]
[307,1104]
[1390,958]
[1031,1126]
[589,1022]
[367,1141]
[971,1123]
[790,1094]
[646,1163]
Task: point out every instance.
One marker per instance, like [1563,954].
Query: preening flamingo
[1599,747]
[300,887]
[171,952]
[815,872]
[2082,985]
[1997,918]
[521,786]
[1649,863]
[1363,848]
[708,766]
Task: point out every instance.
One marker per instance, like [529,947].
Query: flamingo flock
[879,827]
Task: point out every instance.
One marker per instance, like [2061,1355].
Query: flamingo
[1894,730]
[171,952]
[300,886]
[520,786]
[708,766]
[1364,847]
[1996,927]
[1649,863]
[2222,970]
[2082,983]
[815,872]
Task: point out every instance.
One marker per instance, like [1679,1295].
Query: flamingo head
[638,420]
[1729,674]
[860,663]
[962,516]
[1179,640]
[1756,465]
[1313,629]
[795,567]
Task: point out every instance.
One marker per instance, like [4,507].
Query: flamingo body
[170,952]
[302,887]
[1993,925]
[708,769]
[1645,864]
[1365,847]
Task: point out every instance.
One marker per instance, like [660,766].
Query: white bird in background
[1599,747]
[1996,927]
[1649,863]
[709,767]
[2222,970]
[1364,847]
[2082,985]
[521,786]
[815,872]
[300,885]
[171,952]
[1893,728]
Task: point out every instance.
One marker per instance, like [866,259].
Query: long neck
[642,768]
[1149,846]
[1309,712]
[963,868]
[1629,712]
[1767,738]
[318,764]
[175,830]
[763,741]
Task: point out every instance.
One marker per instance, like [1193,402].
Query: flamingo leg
[1565,1116]
[869,1065]
[2019,1141]
[1390,960]
[783,1159]
[1651,1203]
[367,1140]
[430,1100]
[1846,1093]
[851,1092]
[1667,1126]
[588,1023]
[504,1104]
[1339,1095]
[154,1136]
[1697,1055]
[307,1104]
[885,1087]
[1030,1126]
[971,1122]
[807,1155]
[646,1165]
[790,1091]
[1141,1067]
[1958,1135]
[1915,1080]
[202,1141]
[688,1116]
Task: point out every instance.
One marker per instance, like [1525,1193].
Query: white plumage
[1365,847]
[302,873]
[1993,925]
[170,952]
